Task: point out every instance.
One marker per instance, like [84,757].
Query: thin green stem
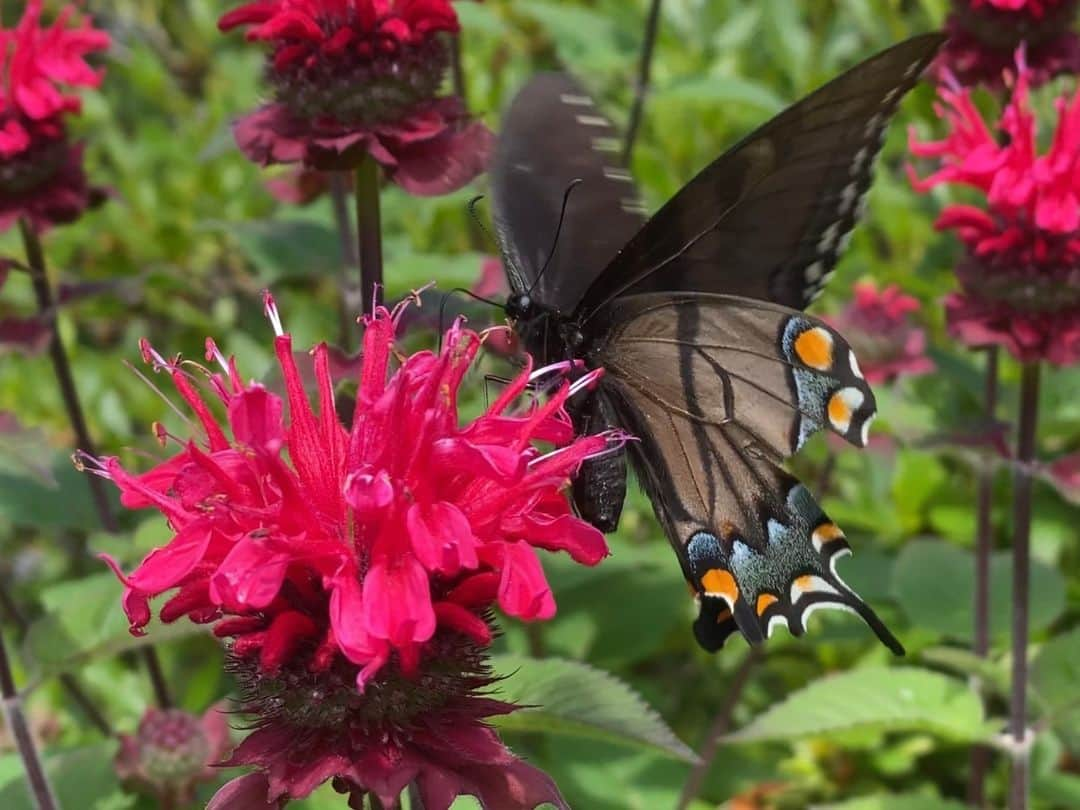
[981,754]
[641,88]
[720,726]
[369,232]
[350,301]
[19,729]
[35,259]
[1021,585]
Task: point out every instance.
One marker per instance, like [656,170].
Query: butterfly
[696,317]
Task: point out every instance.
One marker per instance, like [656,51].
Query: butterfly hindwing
[714,419]
[770,217]
[552,135]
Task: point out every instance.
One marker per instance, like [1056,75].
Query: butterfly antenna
[479,223]
[577,181]
[446,297]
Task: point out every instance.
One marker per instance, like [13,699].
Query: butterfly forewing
[770,217]
[719,390]
[554,134]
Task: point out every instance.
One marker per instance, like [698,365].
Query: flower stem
[369,232]
[349,304]
[35,259]
[19,730]
[67,680]
[416,802]
[1021,584]
[720,725]
[981,754]
[457,70]
[641,88]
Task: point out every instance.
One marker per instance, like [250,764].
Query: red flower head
[985,33]
[41,176]
[877,324]
[360,563]
[172,752]
[356,77]
[1020,279]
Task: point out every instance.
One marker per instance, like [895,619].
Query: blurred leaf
[574,699]
[83,622]
[963,662]
[934,584]
[283,249]
[67,505]
[716,90]
[905,801]
[906,699]
[20,451]
[585,36]
[1055,673]
[82,778]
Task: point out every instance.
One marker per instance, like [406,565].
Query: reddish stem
[19,730]
[1021,584]
[369,232]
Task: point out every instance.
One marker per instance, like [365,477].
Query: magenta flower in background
[355,569]
[983,34]
[41,174]
[1020,277]
[358,77]
[172,752]
[877,324]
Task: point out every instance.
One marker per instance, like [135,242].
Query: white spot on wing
[865,433]
[592,121]
[606,145]
[813,272]
[575,101]
[873,124]
[828,238]
[778,618]
[617,174]
[848,197]
[855,365]
[858,161]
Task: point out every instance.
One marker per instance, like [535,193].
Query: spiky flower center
[350,89]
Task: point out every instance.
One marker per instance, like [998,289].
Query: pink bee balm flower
[1019,279]
[878,325]
[357,77]
[41,175]
[360,562]
[985,33]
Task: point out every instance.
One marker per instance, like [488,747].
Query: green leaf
[899,801]
[574,699]
[934,584]
[902,699]
[81,777]
[1055,673]
[288,248]
[65,504]
[84,621]
[962,662]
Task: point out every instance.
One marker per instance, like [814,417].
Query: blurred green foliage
[190,237]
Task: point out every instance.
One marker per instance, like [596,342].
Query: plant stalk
[981,754]
[67,680]
[641,88]
[1021,585]
[350,302]
[720,726]
[35,259]
[415,800]
[457,70]
[15,720]
[369,233]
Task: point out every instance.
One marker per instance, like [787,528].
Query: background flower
[358,77]
[1020,275]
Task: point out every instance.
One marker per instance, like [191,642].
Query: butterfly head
[521,307]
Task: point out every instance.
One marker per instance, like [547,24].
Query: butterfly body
[695,317]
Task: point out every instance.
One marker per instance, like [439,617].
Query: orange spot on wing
[718,582]
[828,531]
[815,348]
[839,412]
[805,583]
[723,616]
[764,601]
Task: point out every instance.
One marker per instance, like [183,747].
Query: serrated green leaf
[934,585]
[572,698]
[901,699]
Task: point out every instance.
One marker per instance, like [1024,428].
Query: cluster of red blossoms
[41,175]
[1020,279]
[361,77]
[877,324]
[353,570]
[984,34]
